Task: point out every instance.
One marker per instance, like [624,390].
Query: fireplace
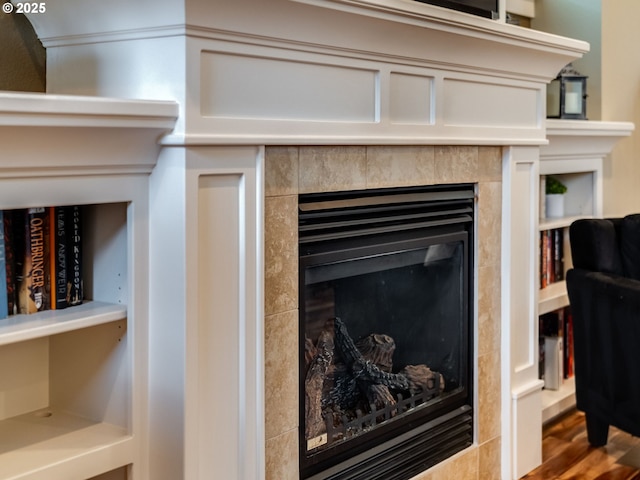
[293,172]
[279,98]
[385,329]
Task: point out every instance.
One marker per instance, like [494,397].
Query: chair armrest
[606,283]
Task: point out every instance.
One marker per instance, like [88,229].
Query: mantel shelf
[47,110]
[438,18]
[579,128]
[80,134]
[582,138]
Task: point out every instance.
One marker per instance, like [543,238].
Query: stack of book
[551,256]
[40,259]
[556,347]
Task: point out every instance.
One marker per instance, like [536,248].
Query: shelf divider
[561,222]
[53,445]
[17,328]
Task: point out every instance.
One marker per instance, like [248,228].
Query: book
[541,352]
[544,260]
[551,323]
[551,256]
[74,259]
[558,255]
[4,299]
[568,343]
[10,259]
[33,289]
[556,347]
[553,369]
[16,234]
[58,253]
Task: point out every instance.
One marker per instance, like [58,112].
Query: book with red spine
[33,288]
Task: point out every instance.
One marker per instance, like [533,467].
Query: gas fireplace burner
[385,329]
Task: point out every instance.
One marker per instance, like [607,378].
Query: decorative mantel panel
[261,73]
[323,96]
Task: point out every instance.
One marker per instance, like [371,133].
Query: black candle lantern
[567,95]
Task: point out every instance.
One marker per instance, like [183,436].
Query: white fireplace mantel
[253,73]
[286,72]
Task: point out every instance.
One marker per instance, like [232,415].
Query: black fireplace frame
[338,225]
[483,8]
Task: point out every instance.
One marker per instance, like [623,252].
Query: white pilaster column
[206,331]
[521,399]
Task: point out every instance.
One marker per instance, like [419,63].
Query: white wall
[613,85]
[577,19]
[621,101]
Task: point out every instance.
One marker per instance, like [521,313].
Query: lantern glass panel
[573,95]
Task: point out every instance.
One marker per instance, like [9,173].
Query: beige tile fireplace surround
[310,169]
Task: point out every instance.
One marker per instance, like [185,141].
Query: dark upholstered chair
[604,293]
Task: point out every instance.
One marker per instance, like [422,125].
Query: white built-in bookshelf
[73,381]
[575,155]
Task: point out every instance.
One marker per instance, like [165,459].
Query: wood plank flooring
[567,455]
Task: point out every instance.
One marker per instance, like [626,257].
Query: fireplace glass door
[385,316]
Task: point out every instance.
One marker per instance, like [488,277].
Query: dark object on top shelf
[483,8]
[604,293]
[567,95]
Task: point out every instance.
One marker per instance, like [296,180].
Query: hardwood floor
[567,455]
